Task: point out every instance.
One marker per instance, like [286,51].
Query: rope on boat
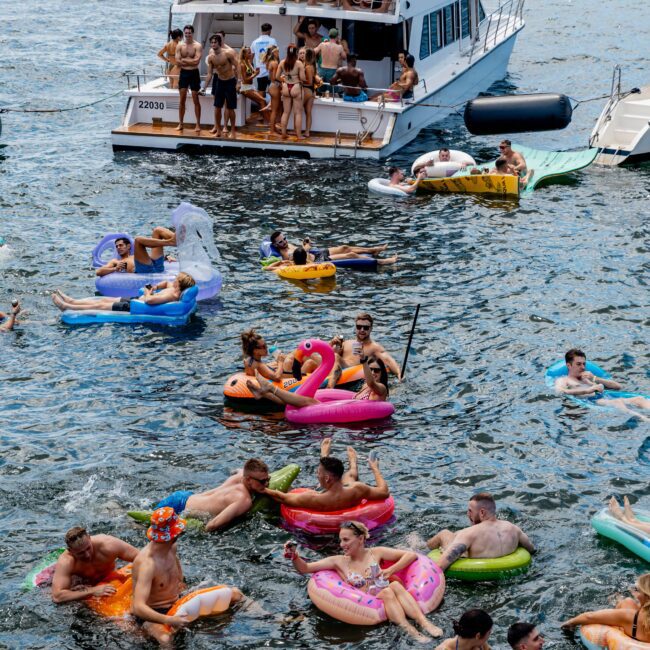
[58,110]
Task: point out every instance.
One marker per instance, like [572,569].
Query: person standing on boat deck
[353,81]
[513,158]
[332,56]
[311,37]
[168,55]
[291,73]
[398,179]
[188,57]
[363,346]
[259,47]
[225,85]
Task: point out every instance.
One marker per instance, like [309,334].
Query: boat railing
[504,20]
[386,6]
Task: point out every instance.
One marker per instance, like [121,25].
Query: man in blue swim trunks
[220,505]
[579,382]
[154,261]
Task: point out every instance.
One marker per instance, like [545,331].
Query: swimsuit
[123,304]
[161,610]
[290,76]
[365,394]
[361,97]
[190,79]
[326,74]
[360,582]
[156,266]
[176,500]
[226,92]
[245,87]
[634,622]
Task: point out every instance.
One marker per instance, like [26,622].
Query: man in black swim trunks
[188,56]
[222,65]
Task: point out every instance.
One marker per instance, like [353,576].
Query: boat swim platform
[250,139]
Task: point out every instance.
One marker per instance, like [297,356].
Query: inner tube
[632,538]
[171,313]
[307,271]
[442,169]
[604,637]
[483,569]
[517,113]
[371,513]
[383,186]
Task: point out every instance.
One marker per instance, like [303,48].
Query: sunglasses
[367,328]
[375,369]
[280,241]
[503,146]
[263,481]
[352,526]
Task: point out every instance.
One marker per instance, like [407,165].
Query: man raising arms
[85,562]
[223,504]
[487,537]
[188,57]
[224,88]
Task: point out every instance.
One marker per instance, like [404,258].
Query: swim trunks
[124,304]
[226,91]
[190,79]
[326,74]
[361,97]
[156,266]
[176,500]
[161,610]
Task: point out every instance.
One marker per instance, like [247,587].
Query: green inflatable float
[480,569]
[281,480]
[632,538]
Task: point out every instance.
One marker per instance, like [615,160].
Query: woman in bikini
[271,60]
[472,631]
[375,387]
[631,614]
[247,89]
[254,349]
[361,567]
[168,55]
[312,80]
[292,74]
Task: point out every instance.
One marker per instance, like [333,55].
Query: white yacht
[460,49]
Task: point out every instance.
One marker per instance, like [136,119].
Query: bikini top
[293,75]
[358,581]
[634,623]
[366,393]
[250,71]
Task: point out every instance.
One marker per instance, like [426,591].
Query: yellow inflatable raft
[307,271]
[499,185]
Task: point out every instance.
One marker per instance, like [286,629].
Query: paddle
[408,345]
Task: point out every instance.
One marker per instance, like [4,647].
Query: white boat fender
[517,113]
[440,168]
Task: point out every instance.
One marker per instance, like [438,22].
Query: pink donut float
[371,513]
[423,579]
[335,406]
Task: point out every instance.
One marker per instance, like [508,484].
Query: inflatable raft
[484,569]
[382,186]
[605,637]
[632,538]
[236,391]
[504,186]
[43,572]
[281,480]
[443,168]
[269,253]
[307,271]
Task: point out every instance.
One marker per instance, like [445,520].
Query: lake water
[95,421]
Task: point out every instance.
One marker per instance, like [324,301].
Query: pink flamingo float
[334,404]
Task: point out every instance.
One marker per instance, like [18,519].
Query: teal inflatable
[632,538]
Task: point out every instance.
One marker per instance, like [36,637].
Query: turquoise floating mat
[629,536]
[547,164]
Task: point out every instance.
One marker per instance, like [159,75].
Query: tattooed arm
[456,550]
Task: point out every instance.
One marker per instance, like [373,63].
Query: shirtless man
[332,56]
[123,263]
[154,261]
[525,636]
[363,345]
[352,79]
[223,62]
[311,37]
[85,562]
[398,179]
[487,537]
[188,57]
[582,383]
[340,490]
[513,158]
[403,87]
[222,504]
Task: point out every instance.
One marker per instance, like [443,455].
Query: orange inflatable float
[119,603]
[235,389]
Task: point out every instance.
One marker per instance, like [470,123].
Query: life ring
[371,513]
[383,186]
[170,313]
[483,569]
[235,388]
[423,579]
[443,169]
[604,637]
[307,271]
[625,534]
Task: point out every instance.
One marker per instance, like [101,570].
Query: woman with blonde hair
[291,73]
[247,74]
[271,59]
[168,55]
[361,567]
[632,615]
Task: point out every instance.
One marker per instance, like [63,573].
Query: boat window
[450,16]
[425,48]
[373,41]
[435,31]
[464,18]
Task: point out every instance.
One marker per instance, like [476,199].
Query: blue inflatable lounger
[171,313]
[268,253]
[559,369]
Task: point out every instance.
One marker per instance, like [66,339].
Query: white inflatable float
[440,169]
[383,186]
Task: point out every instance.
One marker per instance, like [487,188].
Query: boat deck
[252,132]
